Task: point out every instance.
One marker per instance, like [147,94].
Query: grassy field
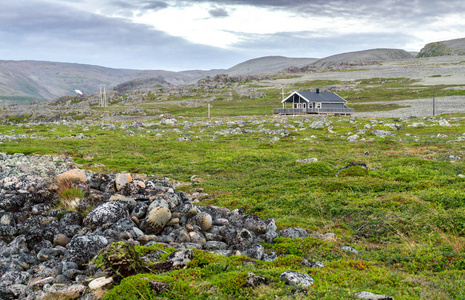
[405,213]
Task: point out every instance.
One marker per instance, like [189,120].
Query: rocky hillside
[23,81]
[364,57]
[444,48]
[268,64]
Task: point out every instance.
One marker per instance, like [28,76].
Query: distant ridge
[24,81]
[268,64]
[358,57]
[444,48]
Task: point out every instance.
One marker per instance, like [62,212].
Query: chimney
[317,91]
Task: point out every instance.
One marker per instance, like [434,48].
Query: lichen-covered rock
[156,219]
[372,296]
[82,248]
[255,225]
[244,238]
[293,233]
[39,234]
[203,220]
[181,258]
[296,278]
[349,249]
[70,218]
[158,202]
[255,251]
[215,245]
[139,210]
[197,238]
[121,180]
[107,213]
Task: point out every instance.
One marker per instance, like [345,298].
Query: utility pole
[103,96]
[434,104]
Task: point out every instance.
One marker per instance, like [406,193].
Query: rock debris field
[48,252]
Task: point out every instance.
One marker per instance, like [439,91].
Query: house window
[318,105]
[303,105]
[310,105]
[296,105]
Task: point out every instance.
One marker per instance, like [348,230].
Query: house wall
[332,105]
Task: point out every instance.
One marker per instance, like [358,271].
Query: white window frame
[318,105]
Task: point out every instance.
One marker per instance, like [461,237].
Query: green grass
[376,107]
[406,213]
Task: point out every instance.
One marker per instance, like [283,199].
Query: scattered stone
[307,160]
[444,123]
[353,138]
[293,233]
[296,278]
[371,296]
[99,283]
[382,133]
[349,249]
[312,264]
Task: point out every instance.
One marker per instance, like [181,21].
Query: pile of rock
[45,250]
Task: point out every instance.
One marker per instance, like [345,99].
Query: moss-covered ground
[405,213]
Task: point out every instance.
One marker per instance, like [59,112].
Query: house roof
[323,97]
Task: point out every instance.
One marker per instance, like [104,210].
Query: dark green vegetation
[405,214]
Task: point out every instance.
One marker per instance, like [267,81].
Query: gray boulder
[215,245]
[157,219]
[108,212]
[81,249]
[255,251]
[293,233]
[382,133]
[296,278]
[203,220]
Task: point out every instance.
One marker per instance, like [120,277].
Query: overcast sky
[202,34]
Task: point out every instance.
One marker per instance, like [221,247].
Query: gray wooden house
[327,103]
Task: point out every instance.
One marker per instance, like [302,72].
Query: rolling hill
[268,64]
[359,57]
[23,81]
[444,48]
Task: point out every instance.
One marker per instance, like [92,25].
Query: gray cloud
[40,30]
[142,4]
[400,10]
[218,12]
[57,33]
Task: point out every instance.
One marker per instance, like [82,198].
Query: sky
[204,34]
